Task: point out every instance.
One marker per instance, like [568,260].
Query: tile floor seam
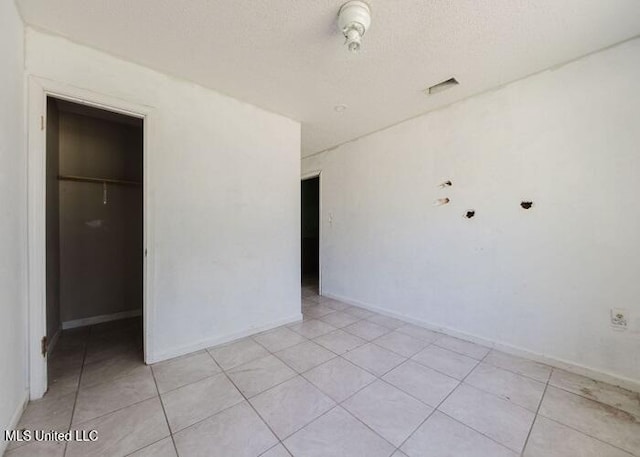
[296,374]
[269,350]
[394,447]
[359,420]
[89,348]
[460,382]
[413,396]
[308,423]
[149,445]
[535,418]
[470,427]
[445,349]
[339,404]
[386,372]
[75,402]
[236,341]
[272,447]
[203,419]
[481,433]
[593,400]
[333,352]
[340,355]
[115,411]
[437,408]
[586,434]
[361,389]
[606,405]
[516,372]
[183,385]
[493,394]
[308,341]
[351,395]
[248,403]
[571,427]
[299,373]
[461,353]
[391,350]
[164,411]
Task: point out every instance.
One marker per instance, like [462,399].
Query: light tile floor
[344,382]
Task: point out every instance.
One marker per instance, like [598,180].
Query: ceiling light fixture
[354,18]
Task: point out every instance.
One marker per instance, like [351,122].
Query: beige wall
[100,244]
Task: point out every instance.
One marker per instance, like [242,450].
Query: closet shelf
[98,180]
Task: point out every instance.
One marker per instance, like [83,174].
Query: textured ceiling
[287,55]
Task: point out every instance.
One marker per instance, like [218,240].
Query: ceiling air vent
[444,85]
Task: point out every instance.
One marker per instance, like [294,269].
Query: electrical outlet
[619,318]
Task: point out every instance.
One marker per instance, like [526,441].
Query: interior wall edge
[51,344]
[555,362]
[15,418]
[227,338]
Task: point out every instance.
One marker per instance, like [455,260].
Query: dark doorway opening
[94,243]
[310,262]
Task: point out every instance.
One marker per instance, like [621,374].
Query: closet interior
[94,269]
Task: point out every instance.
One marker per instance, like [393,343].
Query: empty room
[274,228]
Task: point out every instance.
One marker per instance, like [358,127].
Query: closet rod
[97,180]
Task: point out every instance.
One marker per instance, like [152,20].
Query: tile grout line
[339,404]
[336,404]
[587,435]
[537,413]
[248,403]
[75,401]
[460,382]
[380,377]
[164,411]
[437,408]
[569,426]
[297,374]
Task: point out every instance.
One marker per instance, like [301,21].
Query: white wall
[223,184]
[12,220]
[541,280]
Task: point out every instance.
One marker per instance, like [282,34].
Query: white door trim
[304,177]
[38,90]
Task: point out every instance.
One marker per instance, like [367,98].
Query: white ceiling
[287,55]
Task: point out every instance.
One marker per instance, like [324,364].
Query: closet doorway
[310,234]
[94,244]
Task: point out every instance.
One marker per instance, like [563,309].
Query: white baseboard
[15,419]
[100,319]
[52,342]
[573,367]
[227,338]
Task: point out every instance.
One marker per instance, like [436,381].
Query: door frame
[37,92]
[304,177]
